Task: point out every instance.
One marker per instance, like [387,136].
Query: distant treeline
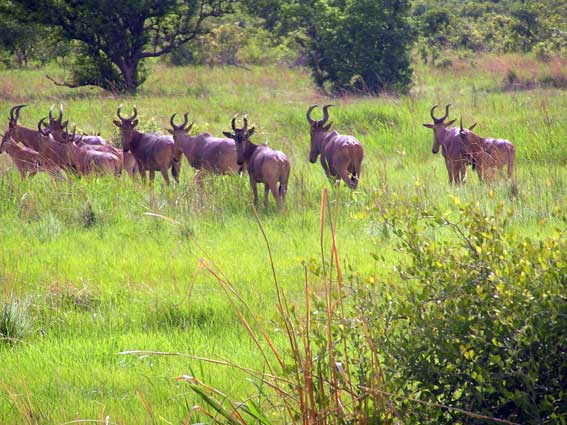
[350,45]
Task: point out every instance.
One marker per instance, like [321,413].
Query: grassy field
[103,273]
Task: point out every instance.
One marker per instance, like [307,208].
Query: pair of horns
[182,126]
[60,118]
[443,118]
[126,119]
[470,128]
[325,115]
[244,119]
[16,110]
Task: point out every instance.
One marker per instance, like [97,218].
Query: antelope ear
[64,124]
[429,125]
[328,126]
[135,123]
[117,123]
[473,126]
[188,129]
[251,131]
[169,130]
[229,135]
[450,123]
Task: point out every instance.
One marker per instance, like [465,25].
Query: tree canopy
[116,36]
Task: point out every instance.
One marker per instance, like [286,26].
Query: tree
[115,37]
[361,45]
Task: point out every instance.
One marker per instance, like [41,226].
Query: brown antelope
[91,161]
[29,138]
[446,137]
[204,152]
[488,155]
[25,159]
[58,127]
[341,155]
[153,152]
[264,164]
[54,152]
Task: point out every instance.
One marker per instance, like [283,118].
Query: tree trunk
[129,71]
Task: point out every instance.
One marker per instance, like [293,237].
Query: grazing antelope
[204,152]
[29,138]
[341,155]
[264,164]
[488,155]
[153,152]
[58,128]
[25,159]
[456,159]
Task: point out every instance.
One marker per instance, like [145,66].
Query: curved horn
[40,124]
[233,122]
[462,129]
[182,126]
[325,114]
[15,109]
[71,139]
[446,112]
[51,119]
[436,120]
[309,119]
[245,122]
[126,119]
[60,113]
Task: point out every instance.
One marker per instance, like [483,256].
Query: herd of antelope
[53,148]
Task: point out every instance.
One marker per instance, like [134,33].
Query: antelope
[29,138]
[58,128]
[456,159]
[204,152]
[487,154]
[90,161]
[25,159]
[264,164]
[54,152]
[341,155]
[152,151]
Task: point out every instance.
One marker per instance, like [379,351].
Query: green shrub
[481,323]
[15,320]
[362,45]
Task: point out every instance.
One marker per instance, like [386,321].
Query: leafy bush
[481,323]
[362,45]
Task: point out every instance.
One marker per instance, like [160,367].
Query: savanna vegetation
[407,300]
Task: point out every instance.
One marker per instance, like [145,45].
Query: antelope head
[439,126]
[241,137]
[318,129]
[180,129]
[126,126]
[57,126]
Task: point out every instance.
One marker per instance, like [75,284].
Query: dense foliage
[498,26]
[481,324]
[362,45]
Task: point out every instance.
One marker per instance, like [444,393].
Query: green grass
[127,280]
